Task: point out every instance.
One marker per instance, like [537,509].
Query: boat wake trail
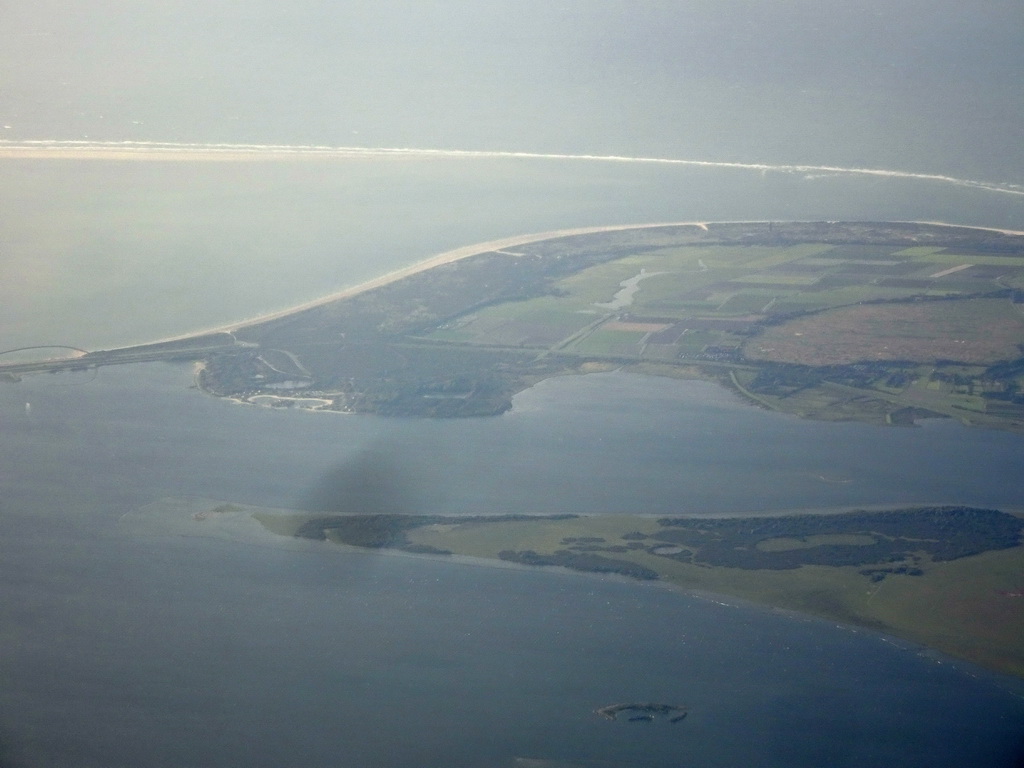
[199,151]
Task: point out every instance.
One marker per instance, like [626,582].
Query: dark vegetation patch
[829,282]
[906,282]
[869,271]
[878,574]
[858,252]
[881,543]
[644,713]
[936,533]
[909,416]
[580,561]
[1005,370]
[389,532]
[782,379]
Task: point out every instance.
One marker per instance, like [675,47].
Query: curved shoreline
[447,257]
[463,252]
[229,345]
[783,591]
[50,149]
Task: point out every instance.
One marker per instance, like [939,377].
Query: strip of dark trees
[939,533]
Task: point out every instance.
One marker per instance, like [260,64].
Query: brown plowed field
[976,331]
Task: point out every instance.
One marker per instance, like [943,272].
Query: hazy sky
[927,85]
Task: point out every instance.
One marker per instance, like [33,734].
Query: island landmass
[881,322]
[949,578]
[643,713]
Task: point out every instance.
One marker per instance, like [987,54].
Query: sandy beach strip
[422,266]
[152,150]
[486,247]
[185,155]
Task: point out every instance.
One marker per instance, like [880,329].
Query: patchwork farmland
[880,322]
[889,327]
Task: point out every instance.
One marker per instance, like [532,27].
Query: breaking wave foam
[145,149]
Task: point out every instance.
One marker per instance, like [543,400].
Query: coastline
[162,150]
[235,347]
[229,344]
[784,592]
[247,524]
[489,246]
[447,257]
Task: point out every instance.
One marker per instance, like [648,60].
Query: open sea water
[127,639]
[128,642]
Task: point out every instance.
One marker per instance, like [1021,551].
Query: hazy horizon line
[142,149]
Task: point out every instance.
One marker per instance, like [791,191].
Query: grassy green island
[876,322]
[950,578]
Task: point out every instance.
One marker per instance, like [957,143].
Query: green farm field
[822,330]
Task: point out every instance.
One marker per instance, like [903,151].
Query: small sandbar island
[881,322]
[643,713]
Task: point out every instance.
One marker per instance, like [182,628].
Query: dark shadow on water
[377,480]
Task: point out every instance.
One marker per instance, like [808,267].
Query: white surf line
[967,226]
[143,149]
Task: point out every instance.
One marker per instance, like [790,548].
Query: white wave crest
[153,149]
